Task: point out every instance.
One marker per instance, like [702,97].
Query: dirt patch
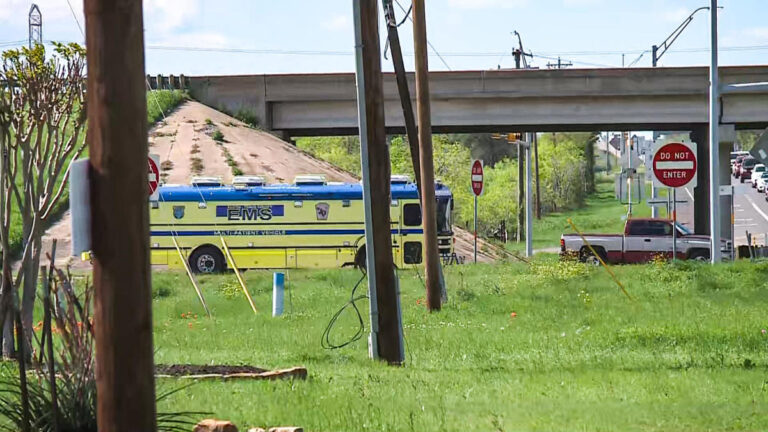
[229,372]
[186,369]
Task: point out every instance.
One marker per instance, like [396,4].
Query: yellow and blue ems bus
[307,224]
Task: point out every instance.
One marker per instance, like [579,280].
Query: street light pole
[714,139]
[657,51]
[528,196]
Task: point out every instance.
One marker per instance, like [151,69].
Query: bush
[248,117]
[563,171]
[163,285]
[161,102]
[74,363]
[217,136]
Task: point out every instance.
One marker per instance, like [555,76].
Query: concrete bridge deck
[503,100]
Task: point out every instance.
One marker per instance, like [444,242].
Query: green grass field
[688,353]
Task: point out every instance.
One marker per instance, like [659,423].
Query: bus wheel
[207,259]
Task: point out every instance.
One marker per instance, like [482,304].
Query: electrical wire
[428,42]
[325,341]
[637,59]
[12,43]
[551,55]
[575,62]
[74,15]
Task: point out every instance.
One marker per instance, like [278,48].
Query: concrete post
[700,136]
[727,138]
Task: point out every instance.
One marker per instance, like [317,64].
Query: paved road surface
[751,213]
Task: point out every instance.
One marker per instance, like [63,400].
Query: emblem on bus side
[178,212]
[321,209]
[250,212]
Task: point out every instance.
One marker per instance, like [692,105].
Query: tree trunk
[589,157]
[6,320]
[29,285]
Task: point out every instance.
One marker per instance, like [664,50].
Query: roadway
[751,213]
[750,208]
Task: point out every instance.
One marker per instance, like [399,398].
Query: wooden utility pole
[520,192]
[428,213]
[536,165]
[117,133]
[402,88]
[386,326]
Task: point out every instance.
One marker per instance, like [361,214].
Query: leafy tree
[566,174]
[747,139]
[42,118]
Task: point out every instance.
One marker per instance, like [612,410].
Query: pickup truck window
[638,228]
[649,228]
[659,228]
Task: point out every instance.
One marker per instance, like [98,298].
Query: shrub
[74,363]
[218,136]
[161,102]
[248,117]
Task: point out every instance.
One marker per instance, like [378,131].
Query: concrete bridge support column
[700,136]
[727,138]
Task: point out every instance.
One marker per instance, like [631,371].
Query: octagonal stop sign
[674,165]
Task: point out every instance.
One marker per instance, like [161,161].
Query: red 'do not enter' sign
[674,165]
[477,177]
[153,177]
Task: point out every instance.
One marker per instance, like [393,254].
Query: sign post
[674,166]
[477,190]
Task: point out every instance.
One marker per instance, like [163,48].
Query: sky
[206,37]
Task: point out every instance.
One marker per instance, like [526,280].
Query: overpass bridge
[497,100]
[513,100]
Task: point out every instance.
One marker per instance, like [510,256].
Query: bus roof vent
[248,181]
[400,179]
[200,181]
[310,180]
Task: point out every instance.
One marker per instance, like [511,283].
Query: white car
[757,171]
[761,182]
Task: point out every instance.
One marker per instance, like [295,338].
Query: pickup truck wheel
[701,256]
[588,257]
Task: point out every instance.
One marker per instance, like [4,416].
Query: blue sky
[587,32]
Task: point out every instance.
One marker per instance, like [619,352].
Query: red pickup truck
[642,241]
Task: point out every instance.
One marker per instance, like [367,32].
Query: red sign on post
[153,177]
[477,177]
[674,165]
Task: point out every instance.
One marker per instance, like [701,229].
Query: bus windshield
[444,216]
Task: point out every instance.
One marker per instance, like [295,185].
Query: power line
[479,54]
[574,62]
[74,15]
[428,42]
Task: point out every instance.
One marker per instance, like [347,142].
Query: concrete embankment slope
[184,141]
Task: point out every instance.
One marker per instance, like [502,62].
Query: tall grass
[553,346]
[160,103]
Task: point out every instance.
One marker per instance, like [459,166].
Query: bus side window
[412,215]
